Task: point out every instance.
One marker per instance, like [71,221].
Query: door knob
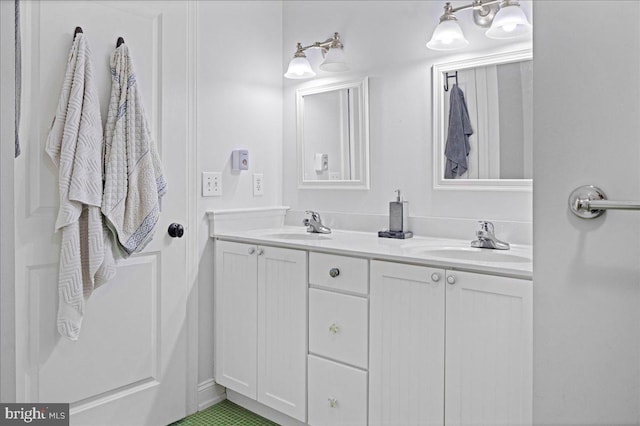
[176,230]
[451,279]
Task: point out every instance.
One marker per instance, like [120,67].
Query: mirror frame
[363,98]
[440,122]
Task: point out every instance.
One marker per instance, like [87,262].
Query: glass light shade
[334,61]
[447,36]
[299,68]
[510,22]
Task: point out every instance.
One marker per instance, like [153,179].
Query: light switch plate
[211,184]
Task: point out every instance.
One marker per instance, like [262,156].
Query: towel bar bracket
[589,202]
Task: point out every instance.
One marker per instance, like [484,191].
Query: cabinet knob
[251,250]
[334,272]
[451,279]
[333,328]
[260,252]
[333,402]
[435,277]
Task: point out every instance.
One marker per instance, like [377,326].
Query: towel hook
[77,31]
[119,42]
[446,80]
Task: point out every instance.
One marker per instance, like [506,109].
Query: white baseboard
[209,393]
[262,410]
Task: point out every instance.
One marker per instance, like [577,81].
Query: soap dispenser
[398,219]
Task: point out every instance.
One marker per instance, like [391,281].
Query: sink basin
[299,236]
[476,254]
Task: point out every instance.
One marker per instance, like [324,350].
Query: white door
[129,364]
[406,360]
[586,272]
[236,323]
[282,330]
[488,350]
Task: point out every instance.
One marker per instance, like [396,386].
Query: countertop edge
[498,270]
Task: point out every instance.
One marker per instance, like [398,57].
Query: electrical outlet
[211,184]
[258,184]
[334,175]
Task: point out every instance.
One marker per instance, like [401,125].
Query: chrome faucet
[314,224]
[487,238]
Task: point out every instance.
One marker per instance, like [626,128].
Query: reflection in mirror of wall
[332,133]
[498,91]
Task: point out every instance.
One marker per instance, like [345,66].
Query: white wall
[7,235]
[587,272]
[239,105]
[385,40]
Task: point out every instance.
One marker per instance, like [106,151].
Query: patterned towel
[134,181]
[75,146]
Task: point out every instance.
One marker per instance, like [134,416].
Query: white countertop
[437,252]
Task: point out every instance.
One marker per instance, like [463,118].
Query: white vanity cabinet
[261,324]
[488,375]
[449,347]
[338,340]
[406,372]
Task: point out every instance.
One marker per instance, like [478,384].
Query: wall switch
[258,184]
[211,184]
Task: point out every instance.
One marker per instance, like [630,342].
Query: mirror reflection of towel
[457,147]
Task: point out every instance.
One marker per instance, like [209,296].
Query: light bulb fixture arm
[476,5]
[330,43]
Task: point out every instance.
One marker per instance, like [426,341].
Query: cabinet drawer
[338,326]
[337,394]
[339,272]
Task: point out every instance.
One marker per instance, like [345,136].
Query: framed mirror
[333,135]
[489,117]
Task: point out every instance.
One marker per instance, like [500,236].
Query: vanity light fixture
[299,66]
[504,18]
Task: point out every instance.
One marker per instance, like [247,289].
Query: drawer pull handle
[333,328]
[333,402]
[334,272]
[251,250]
[451,279]
[435,277]
[260,252]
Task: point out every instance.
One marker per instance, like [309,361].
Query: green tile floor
[225,413]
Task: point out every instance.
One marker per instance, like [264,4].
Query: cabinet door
[235,305]
[406,373]
[282,330]
[489,350]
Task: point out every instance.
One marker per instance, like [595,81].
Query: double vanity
[351,329]
[346,328]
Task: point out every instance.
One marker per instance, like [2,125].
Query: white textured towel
[134,181]
[75,145]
